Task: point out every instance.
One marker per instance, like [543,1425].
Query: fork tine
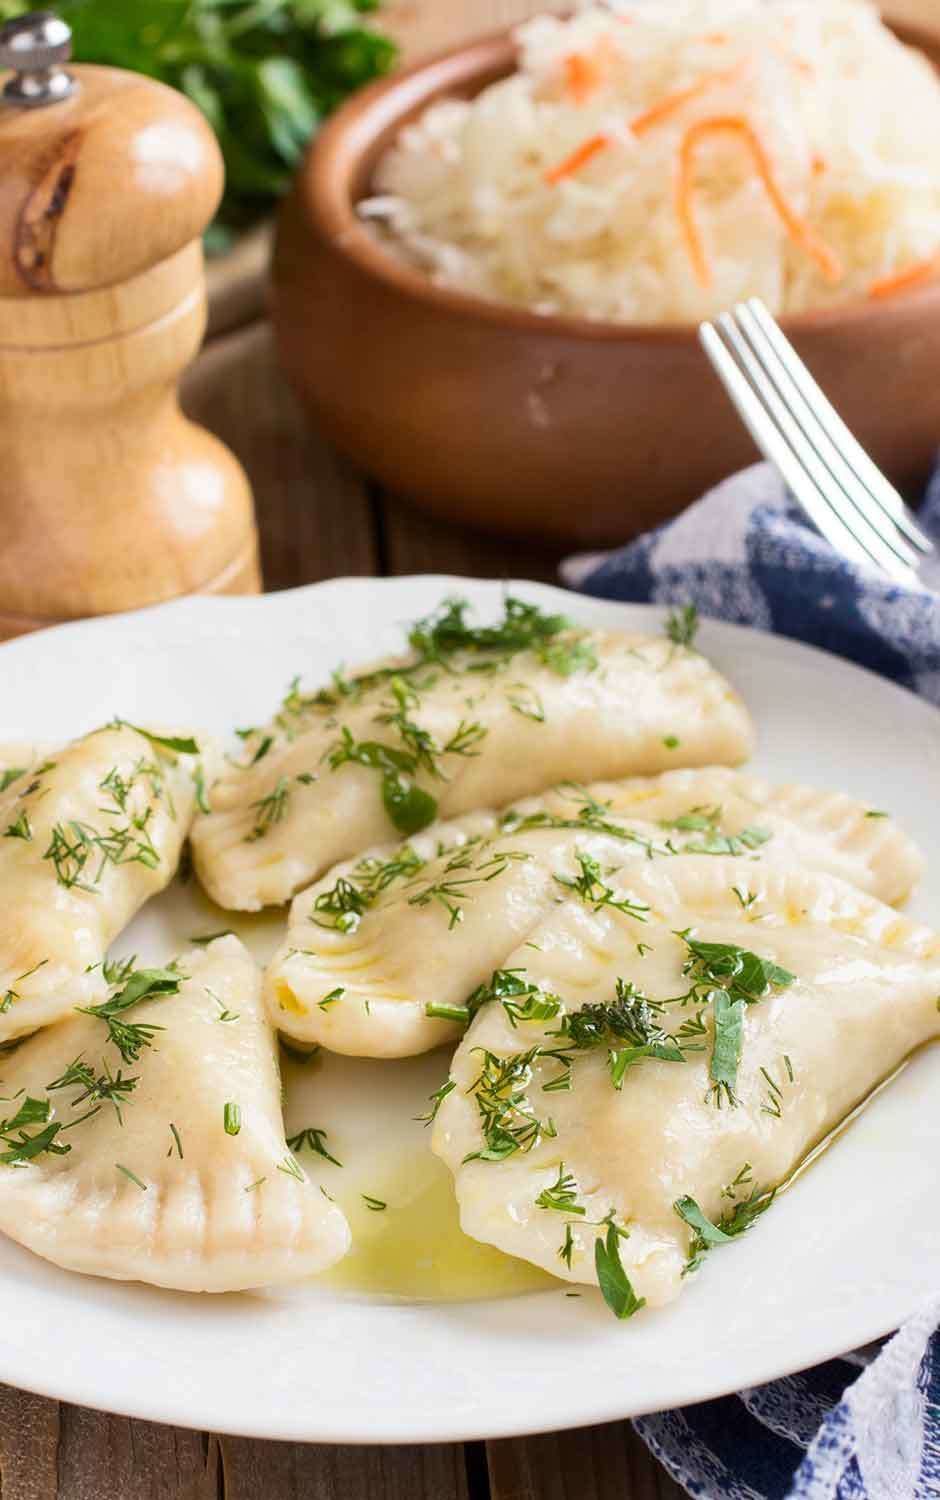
[866,535]
[774,446]
[839,435]
[815,433]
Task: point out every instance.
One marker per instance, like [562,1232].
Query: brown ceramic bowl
[543,426]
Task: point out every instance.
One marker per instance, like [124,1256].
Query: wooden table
[319,519]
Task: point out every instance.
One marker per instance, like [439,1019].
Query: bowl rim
[324,184]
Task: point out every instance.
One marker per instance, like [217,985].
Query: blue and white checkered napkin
[746,553]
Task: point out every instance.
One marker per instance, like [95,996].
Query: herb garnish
[562,1196]
[442,634]
[144,984]
[12,993]
[22,1148]
[735,1221]
[706,820]
[375,1204]
[452,887]
[629,1019]
[507,1120]
[348,900]
[291,1168]
[20,828]
[131,1176]
[271,809]
[231,1118]
[594,893]
[409,807]
[726,1047]
[314,1140]
[102,1088]
[681,625]
[436,1100]
[612,1278]
[175,744]
[526,701]
[520,998]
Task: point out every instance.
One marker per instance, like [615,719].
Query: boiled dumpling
[165,1159]
[86,836]
[683,1069]
[474,718]
[717,810]
[379,940]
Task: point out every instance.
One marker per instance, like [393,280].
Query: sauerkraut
[656,161]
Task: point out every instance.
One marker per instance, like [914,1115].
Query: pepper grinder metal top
[36,47]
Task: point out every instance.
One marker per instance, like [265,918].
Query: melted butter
[817,1151]
[415,1249]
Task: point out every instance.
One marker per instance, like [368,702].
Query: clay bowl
[553,427]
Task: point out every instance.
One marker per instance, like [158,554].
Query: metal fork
[846,496]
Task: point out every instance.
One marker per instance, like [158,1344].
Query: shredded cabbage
[591,183]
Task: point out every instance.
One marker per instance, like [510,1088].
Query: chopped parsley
[232,1118]
[612,1278]
[726,1047]
[706,1234]
[144,984]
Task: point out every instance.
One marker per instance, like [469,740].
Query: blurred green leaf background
[265,73]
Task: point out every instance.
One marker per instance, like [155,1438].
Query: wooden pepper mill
[109,497]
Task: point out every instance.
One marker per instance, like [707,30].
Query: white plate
[841,1259]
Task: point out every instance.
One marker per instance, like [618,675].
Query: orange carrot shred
[583,76]
[906,280]
[800,231]
[578,158]
[672,102]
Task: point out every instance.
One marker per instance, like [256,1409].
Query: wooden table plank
[294,1471]
[592,1463]
[412,542]
[101,1457]
[29,1441]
